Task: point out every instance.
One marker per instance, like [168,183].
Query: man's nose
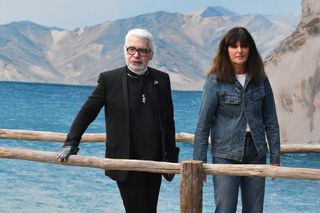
[136,54]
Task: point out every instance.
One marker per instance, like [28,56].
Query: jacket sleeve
[208,106]
[271,124]
[171,148]
[87,114]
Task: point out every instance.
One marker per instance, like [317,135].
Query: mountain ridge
[185,45]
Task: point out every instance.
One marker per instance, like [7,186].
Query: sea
[35,187]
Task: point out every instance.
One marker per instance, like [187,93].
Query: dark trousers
[140,192]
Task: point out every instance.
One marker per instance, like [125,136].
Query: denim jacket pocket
[231,99]
[230,105]
[257,95]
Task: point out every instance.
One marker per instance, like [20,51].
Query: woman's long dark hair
[222,65]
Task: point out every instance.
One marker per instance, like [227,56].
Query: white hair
[141,33]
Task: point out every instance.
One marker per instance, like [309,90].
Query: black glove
[65,152]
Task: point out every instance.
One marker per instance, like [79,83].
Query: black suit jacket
[112,94]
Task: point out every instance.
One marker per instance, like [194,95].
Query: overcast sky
[71,14]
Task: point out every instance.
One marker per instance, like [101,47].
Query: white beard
[139,70]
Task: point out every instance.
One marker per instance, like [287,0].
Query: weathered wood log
[191,183]
[184,137]
[101,137]
[61,137]
[300,148]
[161,167]
[47,136]
[94,162]
[261,171]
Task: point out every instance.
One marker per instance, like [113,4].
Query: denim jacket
[225,111]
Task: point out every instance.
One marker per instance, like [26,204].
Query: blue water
[32,187]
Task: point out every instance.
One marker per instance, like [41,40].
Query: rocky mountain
[294,71]
[212,11]
[185,45]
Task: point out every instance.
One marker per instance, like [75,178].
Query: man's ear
[151,56]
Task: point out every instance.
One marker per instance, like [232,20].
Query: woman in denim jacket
[238,111]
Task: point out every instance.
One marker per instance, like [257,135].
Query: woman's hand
[274,164]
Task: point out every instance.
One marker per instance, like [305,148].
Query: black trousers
[140,192]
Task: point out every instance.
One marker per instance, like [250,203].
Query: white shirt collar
[142,72]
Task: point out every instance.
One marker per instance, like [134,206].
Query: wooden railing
[101,137]
[191,171]
[60,137]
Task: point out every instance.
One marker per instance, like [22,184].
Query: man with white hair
[138,110]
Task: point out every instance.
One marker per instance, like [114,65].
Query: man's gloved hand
[65,152]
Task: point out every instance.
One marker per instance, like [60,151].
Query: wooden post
[191,183]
